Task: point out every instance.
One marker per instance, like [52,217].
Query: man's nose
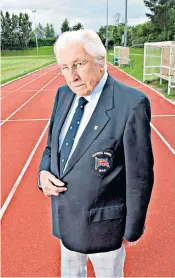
[72,74]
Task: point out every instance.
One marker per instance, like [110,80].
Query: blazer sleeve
[139,163]
[45,160]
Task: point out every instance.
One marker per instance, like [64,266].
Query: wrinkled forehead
[71,53]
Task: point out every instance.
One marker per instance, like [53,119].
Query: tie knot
[82,102]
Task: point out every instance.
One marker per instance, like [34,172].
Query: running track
[28,247]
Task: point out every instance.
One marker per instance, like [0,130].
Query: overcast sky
[91,13]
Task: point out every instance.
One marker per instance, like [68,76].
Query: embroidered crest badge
[102,161]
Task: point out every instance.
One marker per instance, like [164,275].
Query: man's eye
[64,68]
[78,64]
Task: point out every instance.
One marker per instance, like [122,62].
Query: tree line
[17,33]
[15,30]
[159,27]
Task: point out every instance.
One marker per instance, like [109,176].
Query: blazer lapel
[97,122]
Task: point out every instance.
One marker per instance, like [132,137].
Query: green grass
[136,69]
[43,50]
[110,57]
[15,64]
[14,67]
[163,87]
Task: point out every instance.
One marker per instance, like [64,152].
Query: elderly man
[98,163]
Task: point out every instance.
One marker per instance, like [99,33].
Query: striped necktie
[71,133]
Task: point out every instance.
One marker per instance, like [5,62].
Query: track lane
[25,103]
[6,93]
[15,101]
[165,124]
[41,82]
[54,84]
[19,137]
[17,141]
[39,107]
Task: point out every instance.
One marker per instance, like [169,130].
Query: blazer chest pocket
[107,213]
[102,156]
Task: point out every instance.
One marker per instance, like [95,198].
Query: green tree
[15,31]
[129,36]
[161,16]
[171,27]
[40,30]
[116,36]
[25,27]
[49,31]
[110,36]
[121,28]
[6,30]
[65,26]
[102,34]
[2,31]
[52,31]
[77,26]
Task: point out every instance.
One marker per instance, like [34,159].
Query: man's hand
[50,184]
[128,243]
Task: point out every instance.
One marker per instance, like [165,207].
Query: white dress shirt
[88,111]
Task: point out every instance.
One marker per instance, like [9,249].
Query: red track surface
[28,247]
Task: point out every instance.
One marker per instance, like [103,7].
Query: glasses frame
[76,66]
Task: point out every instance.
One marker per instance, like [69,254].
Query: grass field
[43,50]
[18,63]
[136,70]
[14,67]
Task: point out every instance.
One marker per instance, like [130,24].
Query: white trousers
[107,264]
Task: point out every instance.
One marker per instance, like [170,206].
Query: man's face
[82,74]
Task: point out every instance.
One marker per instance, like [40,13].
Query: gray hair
[90,40]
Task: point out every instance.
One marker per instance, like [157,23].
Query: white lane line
[143,84]
[163,139]
[27,74]
[23,91]
[15,186]
[28,101]
[28,120]
[30,90]
[25,84]
[139,87]
[156,116]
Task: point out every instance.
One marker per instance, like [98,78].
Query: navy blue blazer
[109,175]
